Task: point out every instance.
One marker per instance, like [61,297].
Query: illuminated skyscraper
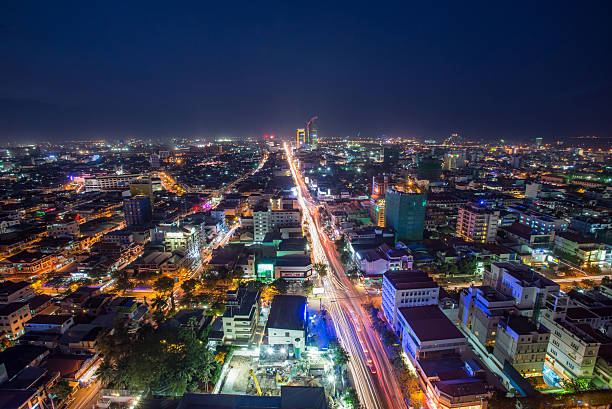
[301,137]
[312,129]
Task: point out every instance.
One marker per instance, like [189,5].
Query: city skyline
[488,72]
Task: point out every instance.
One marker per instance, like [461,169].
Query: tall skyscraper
[312,129]
[477,223]
[405,213]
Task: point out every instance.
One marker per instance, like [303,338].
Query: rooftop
[287,312]
[406,280]
[429,323]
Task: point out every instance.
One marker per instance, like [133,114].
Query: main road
[369,367]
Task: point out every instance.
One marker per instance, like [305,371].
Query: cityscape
[304,254]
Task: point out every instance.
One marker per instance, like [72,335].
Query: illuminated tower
[301,137]
[312,129]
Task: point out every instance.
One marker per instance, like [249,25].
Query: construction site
[246,373]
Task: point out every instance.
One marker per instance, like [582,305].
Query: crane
[256,382]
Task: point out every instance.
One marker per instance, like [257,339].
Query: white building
[265,220]
[407,289]
[287,323]
[427,333]
[110,182]
[241,316]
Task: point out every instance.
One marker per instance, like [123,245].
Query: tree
[159,303]
[281,285]
[57,282]
[61,390]
[340,245]
[321,269]
[122,281]
[165,286]
[307,286]
[338,354]
[162,361]
[189,286]
[351,398]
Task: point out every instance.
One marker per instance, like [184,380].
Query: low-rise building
[287,323]
[427,333]
[49,323]
[12,318]
[11,291]
[241,315]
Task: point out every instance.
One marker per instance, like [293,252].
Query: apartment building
[265,220]
[574,347]
[522,344]
[481,309]
[241,315]
[477,223]
[528,288]
[12,318]
[407,289]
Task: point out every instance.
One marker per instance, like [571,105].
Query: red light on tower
[272,136]
[266,136]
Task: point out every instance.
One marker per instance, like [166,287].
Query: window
[287,334]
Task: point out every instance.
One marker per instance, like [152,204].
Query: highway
[371,373]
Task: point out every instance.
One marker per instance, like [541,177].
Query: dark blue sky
[485,69]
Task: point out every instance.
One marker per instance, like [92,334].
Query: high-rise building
[137,210]
[312,130]
[301,137]
[143,187]
[429,168]
[405,213]
[391,155]
[477,223]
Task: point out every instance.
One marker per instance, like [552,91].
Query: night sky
[488,70]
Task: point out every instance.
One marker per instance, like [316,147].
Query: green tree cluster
[162,361]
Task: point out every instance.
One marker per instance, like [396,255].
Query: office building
[312,130]
[477,223]
[109,182]
[574,347]
[407,289]
[143,187]
[391,156]
[405,213]
[531,190]
[429,168]
[528,288]
[137,210]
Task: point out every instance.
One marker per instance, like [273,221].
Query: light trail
[369,367]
